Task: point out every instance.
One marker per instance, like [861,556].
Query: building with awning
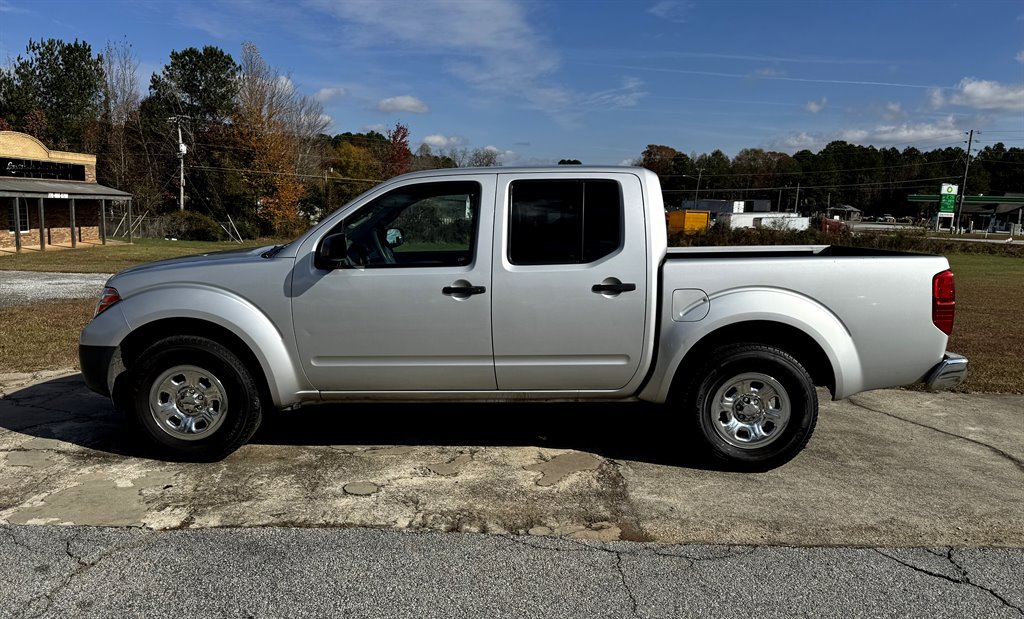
[52,196]
[998,215]
[844,212]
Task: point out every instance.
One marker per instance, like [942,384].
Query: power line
[272,173]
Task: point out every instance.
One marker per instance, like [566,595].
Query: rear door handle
[600,288]
[463,290]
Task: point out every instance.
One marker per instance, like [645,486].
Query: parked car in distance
[518,284]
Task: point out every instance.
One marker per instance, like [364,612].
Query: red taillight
[943,301]
[108,297]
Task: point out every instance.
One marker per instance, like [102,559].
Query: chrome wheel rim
[188,402]
[750,411]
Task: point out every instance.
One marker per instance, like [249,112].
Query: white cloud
[286,84]
[800,141]
[893,110]
[898,134]
[491,45]
[904,133]
[769,72]
[331,93]
[503,155]
[7,8]
[672,10]
[936,98]
[816,106]
[628,95]
[989,95]
[378,127]
[1020,56]
[403,103]
[436,140]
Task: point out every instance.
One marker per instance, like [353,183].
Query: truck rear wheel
[194,399]
[754,406]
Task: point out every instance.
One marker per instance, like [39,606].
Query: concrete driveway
[891,468]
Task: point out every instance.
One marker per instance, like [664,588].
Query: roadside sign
[948,198]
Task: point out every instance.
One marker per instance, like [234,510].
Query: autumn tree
[273,126]
[398,155]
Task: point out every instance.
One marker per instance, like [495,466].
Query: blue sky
[599,80]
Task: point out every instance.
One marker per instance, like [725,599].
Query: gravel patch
[27,287]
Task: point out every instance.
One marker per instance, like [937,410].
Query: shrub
[191,226]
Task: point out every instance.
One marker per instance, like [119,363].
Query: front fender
[739,305]
[219,307]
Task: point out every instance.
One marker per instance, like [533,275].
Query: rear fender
[729,308]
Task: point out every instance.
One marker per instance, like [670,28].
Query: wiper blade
[270,253]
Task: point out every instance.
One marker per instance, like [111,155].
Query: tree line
[875,180]
[255,149]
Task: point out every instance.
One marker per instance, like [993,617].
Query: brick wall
[57,215]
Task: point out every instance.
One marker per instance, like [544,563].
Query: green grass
[989,298]
[112,257]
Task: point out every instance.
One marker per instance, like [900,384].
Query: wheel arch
[276,385]
[788,338]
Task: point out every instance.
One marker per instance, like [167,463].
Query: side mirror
[394,237]
[332,253]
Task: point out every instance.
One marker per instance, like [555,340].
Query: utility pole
[796,203]
[700,172]
[963,185]
[182,151]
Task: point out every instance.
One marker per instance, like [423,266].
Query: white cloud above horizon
[403,103]
[436,140]
[988,95]
[329,94]
[672,10]
[816,106]
[882,135]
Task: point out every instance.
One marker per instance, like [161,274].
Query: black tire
[754,406]
[210,403]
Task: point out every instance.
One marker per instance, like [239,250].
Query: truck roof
[551,169]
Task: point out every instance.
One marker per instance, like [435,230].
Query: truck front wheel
[754,405]
[194,399]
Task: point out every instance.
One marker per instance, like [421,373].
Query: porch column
[74,235]
[103,221]
[42,226]
[17,225]
[129,221]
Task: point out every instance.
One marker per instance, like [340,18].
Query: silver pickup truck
[517,284]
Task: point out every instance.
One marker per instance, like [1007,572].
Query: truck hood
[248,254]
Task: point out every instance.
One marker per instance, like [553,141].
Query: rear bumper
[949,373]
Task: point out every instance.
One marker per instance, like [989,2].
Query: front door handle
[604,288]
[463,290]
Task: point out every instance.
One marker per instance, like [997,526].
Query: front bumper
[95,363]
[949,373]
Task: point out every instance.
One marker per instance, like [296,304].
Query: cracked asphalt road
[84,571]
[904,503]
